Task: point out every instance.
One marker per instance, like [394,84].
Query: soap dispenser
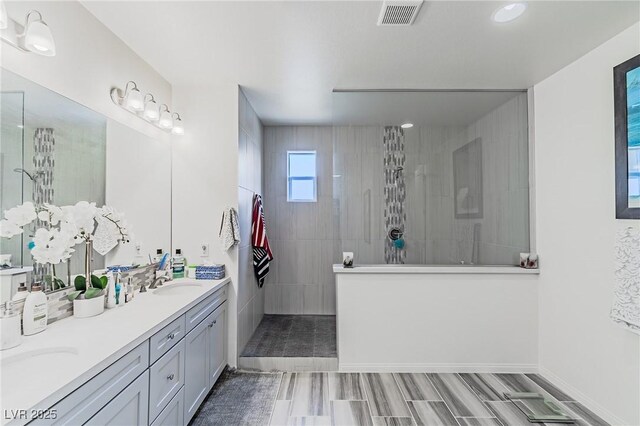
[36,312]
[10,335]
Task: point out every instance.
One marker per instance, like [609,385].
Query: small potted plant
[88,301]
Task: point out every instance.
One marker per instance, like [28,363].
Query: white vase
[88,307]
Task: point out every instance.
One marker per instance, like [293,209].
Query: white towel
[229,229]
[626,304]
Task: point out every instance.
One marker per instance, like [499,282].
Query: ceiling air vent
[399,12]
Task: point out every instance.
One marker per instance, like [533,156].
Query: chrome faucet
[159,281]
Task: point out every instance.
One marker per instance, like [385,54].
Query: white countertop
[432,269]
[15,270]
[86,346]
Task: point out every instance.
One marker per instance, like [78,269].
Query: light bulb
[178,128]
[38,38]
[165,122]
[4,18]
[151,110]
[134,100]
[509,12]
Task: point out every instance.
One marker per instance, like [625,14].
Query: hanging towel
[229,231]
[262,255]
[626,304]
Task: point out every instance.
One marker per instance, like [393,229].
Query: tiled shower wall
[302,235]
[432,233]
[250,296]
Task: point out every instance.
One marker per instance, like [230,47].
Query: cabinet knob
[170,376]
[215,322]
[171,336]
[211,324]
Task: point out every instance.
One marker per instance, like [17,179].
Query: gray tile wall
[432,234]
[250,145]
[302,235]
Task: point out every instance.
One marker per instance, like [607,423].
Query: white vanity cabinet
[162,381]
[130,407]
[206,356]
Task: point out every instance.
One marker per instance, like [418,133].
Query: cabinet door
[196,377]
[217,324]
[173,414]
[129,407]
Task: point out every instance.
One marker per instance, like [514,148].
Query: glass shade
[165,122]
[38,39]
[134,100]
[151,111]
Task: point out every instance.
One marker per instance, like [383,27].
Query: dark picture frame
[467,181]
[625,208]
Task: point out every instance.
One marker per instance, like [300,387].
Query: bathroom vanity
[150,362]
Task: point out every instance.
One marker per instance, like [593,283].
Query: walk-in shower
[452,189]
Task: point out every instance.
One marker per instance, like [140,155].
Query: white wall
[581,349]
[139,184]
[205,180]
[437,322]
[250,149]
[89,61]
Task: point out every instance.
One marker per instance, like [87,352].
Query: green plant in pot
[96,287]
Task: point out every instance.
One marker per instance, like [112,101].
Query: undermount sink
[51,356]
[173,289]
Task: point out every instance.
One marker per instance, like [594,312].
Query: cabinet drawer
[166,338]
[199,312]
[130,407]
[88,399]
[166,379]
[173,414]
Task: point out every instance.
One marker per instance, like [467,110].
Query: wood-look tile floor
[293,336]
[345,399]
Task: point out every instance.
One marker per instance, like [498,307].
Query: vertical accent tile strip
[394,190]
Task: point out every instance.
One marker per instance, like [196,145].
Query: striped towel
[261,251]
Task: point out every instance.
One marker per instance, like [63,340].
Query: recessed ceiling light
[509,12]
[406,125]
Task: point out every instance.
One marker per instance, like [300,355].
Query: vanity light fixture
[151,108]
[509,12]
[166,121]
[406,125]
[35,36]
[146,107]
[178,128]
[133,99]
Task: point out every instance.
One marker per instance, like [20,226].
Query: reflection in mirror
[53,151]
[57,151]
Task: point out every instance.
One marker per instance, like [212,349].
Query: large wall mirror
[54,150]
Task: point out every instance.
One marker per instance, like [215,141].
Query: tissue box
[119,268]
[213,272]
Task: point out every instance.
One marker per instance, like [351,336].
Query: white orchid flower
[9,229]
[21,215]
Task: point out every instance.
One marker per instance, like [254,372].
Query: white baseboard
[591,404]
[438,368]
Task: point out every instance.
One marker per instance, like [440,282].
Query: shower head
[23,171]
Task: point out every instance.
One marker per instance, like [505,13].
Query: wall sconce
[145,107]
[35,36]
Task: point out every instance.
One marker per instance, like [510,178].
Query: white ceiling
[288,56]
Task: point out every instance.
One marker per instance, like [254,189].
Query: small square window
[301,176]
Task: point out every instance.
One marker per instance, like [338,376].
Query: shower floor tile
[294,336]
